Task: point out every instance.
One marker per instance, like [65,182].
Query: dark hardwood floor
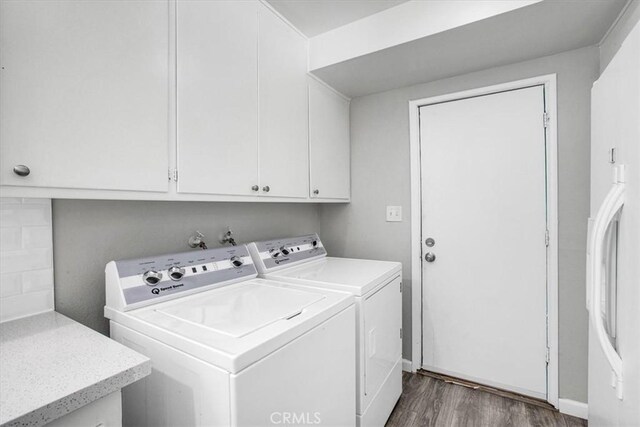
[428,401]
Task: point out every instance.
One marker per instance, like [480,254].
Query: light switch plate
[394,213]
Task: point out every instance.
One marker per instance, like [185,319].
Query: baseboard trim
[406,365]
[573,408]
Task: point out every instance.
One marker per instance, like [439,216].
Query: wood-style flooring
[428,401]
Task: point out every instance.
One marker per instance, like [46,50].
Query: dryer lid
[241,310]
[358,276]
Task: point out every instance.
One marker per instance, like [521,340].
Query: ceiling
[313,17]
[542,29]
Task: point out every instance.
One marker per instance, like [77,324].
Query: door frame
[550,96]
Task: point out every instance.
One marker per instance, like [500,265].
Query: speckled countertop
[51,365]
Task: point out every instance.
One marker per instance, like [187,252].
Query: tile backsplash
[26,257]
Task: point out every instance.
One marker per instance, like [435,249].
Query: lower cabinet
[104,412]
[329,143]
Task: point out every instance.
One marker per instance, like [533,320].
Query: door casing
[549,83]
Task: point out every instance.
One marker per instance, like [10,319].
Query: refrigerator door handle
[611,205]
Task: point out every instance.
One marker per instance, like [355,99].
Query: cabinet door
[217,97]
[85,94]
[329,150]
[283,112]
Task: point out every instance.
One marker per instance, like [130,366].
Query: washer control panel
[145,280]
[271,255]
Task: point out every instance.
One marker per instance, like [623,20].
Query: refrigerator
[613,252]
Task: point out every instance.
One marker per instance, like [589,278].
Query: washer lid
[358,276]
[235,326]
[239,311]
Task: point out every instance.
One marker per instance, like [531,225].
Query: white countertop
[51,365]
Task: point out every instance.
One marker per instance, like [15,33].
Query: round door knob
[266,188]
[255,188]
[176,273]
[316,191]
[236,261]
[152,277]
[430,257]
[430,242]
[21,170]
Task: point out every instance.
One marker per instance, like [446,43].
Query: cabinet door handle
[21,170]
[266,188]
[316,191]
[255,188]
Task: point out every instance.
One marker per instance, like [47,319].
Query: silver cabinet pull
[255,188]
[316,191]
[21,170]
[430,257]
[266,188]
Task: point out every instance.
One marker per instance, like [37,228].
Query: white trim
[549,82]
[273,10]
[325,84]
[614,23]
[574,408]
[406,365]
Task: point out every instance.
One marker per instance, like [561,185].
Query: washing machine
[376,286]
[228,348]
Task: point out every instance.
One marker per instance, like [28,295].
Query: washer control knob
[284,250]
[152,277]
[236,261]
[275,253]
[176,273]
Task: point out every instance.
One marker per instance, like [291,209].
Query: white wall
[380,177]
[90,233]
[26,257]
[619,32]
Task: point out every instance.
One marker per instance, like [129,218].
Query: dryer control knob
[152,277]
[236,261]
[284,250]
[176,273]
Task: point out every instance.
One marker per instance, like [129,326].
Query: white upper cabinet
[84,94]
[329,147]
[217,95]
[283,108]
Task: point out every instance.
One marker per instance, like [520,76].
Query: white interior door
[484,205]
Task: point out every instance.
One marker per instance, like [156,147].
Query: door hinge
[546,237]
[547,356]
[173,175]
[545,119]
[400,333]
[400,287]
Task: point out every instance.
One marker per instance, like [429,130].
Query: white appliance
[613,255]
[228,348]
[377,288]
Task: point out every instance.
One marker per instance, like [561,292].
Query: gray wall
[380,177]
[89,233]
